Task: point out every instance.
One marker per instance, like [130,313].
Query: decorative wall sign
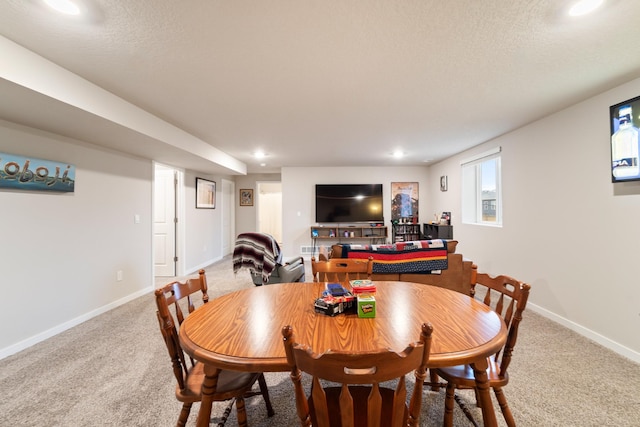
[30,173]
[205,194]
[443,183]
[246,197]
[404,200]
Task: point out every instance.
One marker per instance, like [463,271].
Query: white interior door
[164,225]
[228,217]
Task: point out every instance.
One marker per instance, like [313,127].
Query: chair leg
[433,377]
[225,415]
[448,405]
[184,414]
[466,410]
[264,390]
[477,397]
[242,412]
[504,407]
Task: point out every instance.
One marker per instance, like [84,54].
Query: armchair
[260,253]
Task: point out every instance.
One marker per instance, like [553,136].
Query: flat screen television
[341,203]
[624,118]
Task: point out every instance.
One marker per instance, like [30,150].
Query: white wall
[568,231]
[203,227]
[60,251]
[298,196]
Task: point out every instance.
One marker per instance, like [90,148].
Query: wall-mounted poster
[404,200]
[205,194]
[30,173]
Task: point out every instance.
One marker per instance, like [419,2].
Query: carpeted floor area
[114,370]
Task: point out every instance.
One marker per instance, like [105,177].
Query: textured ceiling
[319,83]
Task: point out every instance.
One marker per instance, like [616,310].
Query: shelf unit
[405,232]
[374,234]
[437,231]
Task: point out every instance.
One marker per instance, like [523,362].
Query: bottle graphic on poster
[624,146]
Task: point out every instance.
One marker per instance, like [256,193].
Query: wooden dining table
[241,330]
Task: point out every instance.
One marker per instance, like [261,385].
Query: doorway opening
[227,202]
[269,209]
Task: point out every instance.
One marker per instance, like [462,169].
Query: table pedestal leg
[209,385]
[484,396]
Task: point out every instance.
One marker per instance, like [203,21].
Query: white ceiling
[320,83]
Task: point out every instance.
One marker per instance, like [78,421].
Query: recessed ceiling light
[259,154]
[398,154]
[585,6]
[64,6]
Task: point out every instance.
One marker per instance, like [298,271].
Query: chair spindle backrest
[173,294]
[341,269]
[358,369]
[508,297]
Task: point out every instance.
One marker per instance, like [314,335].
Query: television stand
[349,233]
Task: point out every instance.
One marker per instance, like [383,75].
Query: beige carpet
[113,370]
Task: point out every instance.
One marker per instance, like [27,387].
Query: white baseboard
[203,265]
[15,348]
[24,344]
[594,336]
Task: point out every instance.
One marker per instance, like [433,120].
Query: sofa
[456,276]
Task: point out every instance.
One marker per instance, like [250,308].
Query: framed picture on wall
[443,183]
[246,197]
[205,194]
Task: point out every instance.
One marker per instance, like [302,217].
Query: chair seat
[463,376]
[360,395]
[229,382]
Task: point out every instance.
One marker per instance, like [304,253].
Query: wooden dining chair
[232,386]
[341,269]
[508,297]
[359,400]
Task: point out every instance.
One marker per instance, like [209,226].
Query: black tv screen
[624,118]
[349,203]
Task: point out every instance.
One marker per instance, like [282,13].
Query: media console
[343,233]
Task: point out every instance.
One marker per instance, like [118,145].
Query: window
[481,189]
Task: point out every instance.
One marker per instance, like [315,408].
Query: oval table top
[242,330]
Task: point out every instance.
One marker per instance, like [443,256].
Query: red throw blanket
[259,252]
